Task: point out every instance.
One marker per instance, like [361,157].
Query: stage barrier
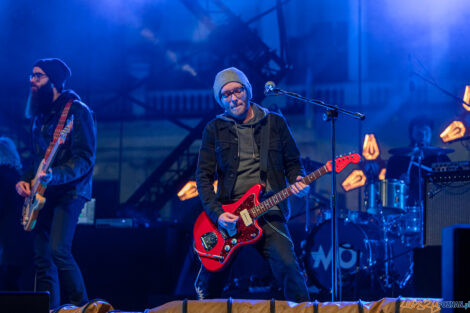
[385,305]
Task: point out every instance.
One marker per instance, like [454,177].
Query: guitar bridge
[209,241]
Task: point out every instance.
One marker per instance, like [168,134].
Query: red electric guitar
[215,248]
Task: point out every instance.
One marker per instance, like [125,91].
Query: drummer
[406,161]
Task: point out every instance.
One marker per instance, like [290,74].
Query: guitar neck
[51,156]
[45,164]
[267,204]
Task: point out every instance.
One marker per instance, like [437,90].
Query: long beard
[40,101]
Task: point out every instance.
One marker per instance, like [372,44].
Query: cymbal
[429,150]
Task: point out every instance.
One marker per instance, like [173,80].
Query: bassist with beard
[69,180]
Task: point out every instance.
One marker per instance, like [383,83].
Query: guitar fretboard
[264,206]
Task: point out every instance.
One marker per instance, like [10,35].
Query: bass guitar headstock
[343,161]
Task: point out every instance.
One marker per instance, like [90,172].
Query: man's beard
[40,100]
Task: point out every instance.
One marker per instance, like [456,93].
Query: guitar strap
[263,154]
[59,127]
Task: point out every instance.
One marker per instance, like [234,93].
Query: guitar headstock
[343,161]
[66,130]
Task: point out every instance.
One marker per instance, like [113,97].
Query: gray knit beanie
[229,75]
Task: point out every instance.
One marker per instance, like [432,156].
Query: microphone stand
[330,115]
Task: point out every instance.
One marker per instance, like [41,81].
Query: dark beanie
[229,75]
[57,71]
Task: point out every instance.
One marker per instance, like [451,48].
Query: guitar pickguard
[244,233]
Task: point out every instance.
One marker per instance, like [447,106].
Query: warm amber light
[466,98]
[189,190]
[382,174]
[356,179]
[370,149]
[455,130]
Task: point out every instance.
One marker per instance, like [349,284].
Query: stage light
[370,149]
[382,174]
[466,98]
[189,190]
[455,130]
[356,179]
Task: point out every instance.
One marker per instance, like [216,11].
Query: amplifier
[451,166]
[442,177]
[447,203]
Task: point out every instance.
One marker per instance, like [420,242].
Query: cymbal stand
[420,199]
[409,274]
[386,250]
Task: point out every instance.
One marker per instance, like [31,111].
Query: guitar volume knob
[227,248]
[234,241]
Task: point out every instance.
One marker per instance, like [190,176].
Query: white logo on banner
[320,257]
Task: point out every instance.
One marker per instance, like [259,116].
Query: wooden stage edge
[385,305]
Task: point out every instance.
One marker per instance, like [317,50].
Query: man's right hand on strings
[228,222]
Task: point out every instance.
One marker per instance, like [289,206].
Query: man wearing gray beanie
[245,146]
[68,179]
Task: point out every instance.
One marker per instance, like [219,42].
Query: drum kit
[375,244]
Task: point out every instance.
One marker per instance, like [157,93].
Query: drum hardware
[409,273]
[393,196]
[413,220]
[371,242]
[371,258]
[360,253]
[386,197]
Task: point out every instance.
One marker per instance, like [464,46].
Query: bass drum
[361,254]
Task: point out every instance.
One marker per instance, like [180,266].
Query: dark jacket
[218,159]
[72,168]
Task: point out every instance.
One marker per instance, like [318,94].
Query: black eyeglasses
[36,76]
[235,91]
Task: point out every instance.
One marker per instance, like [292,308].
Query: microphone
[269,88]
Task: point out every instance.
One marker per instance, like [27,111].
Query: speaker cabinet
[427,278]
[447,203]
[455,260]
[24,302]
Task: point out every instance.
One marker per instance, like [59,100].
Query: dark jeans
[53,260]
[277,248]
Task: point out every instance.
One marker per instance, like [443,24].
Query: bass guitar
[215,247]
[36,200]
